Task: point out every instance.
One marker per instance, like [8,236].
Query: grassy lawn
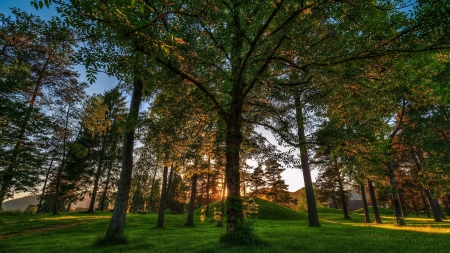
[281,230]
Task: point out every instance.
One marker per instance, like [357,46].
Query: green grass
[280,229]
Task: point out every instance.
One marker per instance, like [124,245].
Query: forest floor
[279,229]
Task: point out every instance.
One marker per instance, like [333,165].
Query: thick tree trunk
[366,208]
[373,199]
[190,217]
[341,192]
[162,202]
[234,203]
[434,208]
[313,218]
[117,223]
[68,206]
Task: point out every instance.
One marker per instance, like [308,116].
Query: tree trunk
[366,208]
[61,166]
[341,192]
[447,208]
[162,202]
[373,199]
[234,203]
[105,190]
[150,201]
[97,177]
[45,185]
[117,223]
[402,203]
[415,154]
[313,218]
[169,198]
[190,217]
[425,205]
[68,206]
[395,201]
[434,208]
[415,207]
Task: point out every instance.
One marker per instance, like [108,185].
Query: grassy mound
[266,211]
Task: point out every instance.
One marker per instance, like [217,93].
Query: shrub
[30,209]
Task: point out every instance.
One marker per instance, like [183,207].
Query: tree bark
[373,199]
[117,223]
[313,218]
[190,217]
[162,202]
[366,208]
[234,203]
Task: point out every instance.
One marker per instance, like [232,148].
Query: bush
[30,209]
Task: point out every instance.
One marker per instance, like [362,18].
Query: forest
[356,90]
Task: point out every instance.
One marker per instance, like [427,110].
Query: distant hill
[24,202]
[21,203]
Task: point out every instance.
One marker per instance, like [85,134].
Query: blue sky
[103,82]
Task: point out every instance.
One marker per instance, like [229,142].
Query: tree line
[349,86]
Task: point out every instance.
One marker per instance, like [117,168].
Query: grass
[280,229]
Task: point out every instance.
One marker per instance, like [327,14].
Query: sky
[292,177]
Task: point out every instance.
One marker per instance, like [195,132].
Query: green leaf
[47,3]
[36,6]
[41,4]
[133,3]
[141,8]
